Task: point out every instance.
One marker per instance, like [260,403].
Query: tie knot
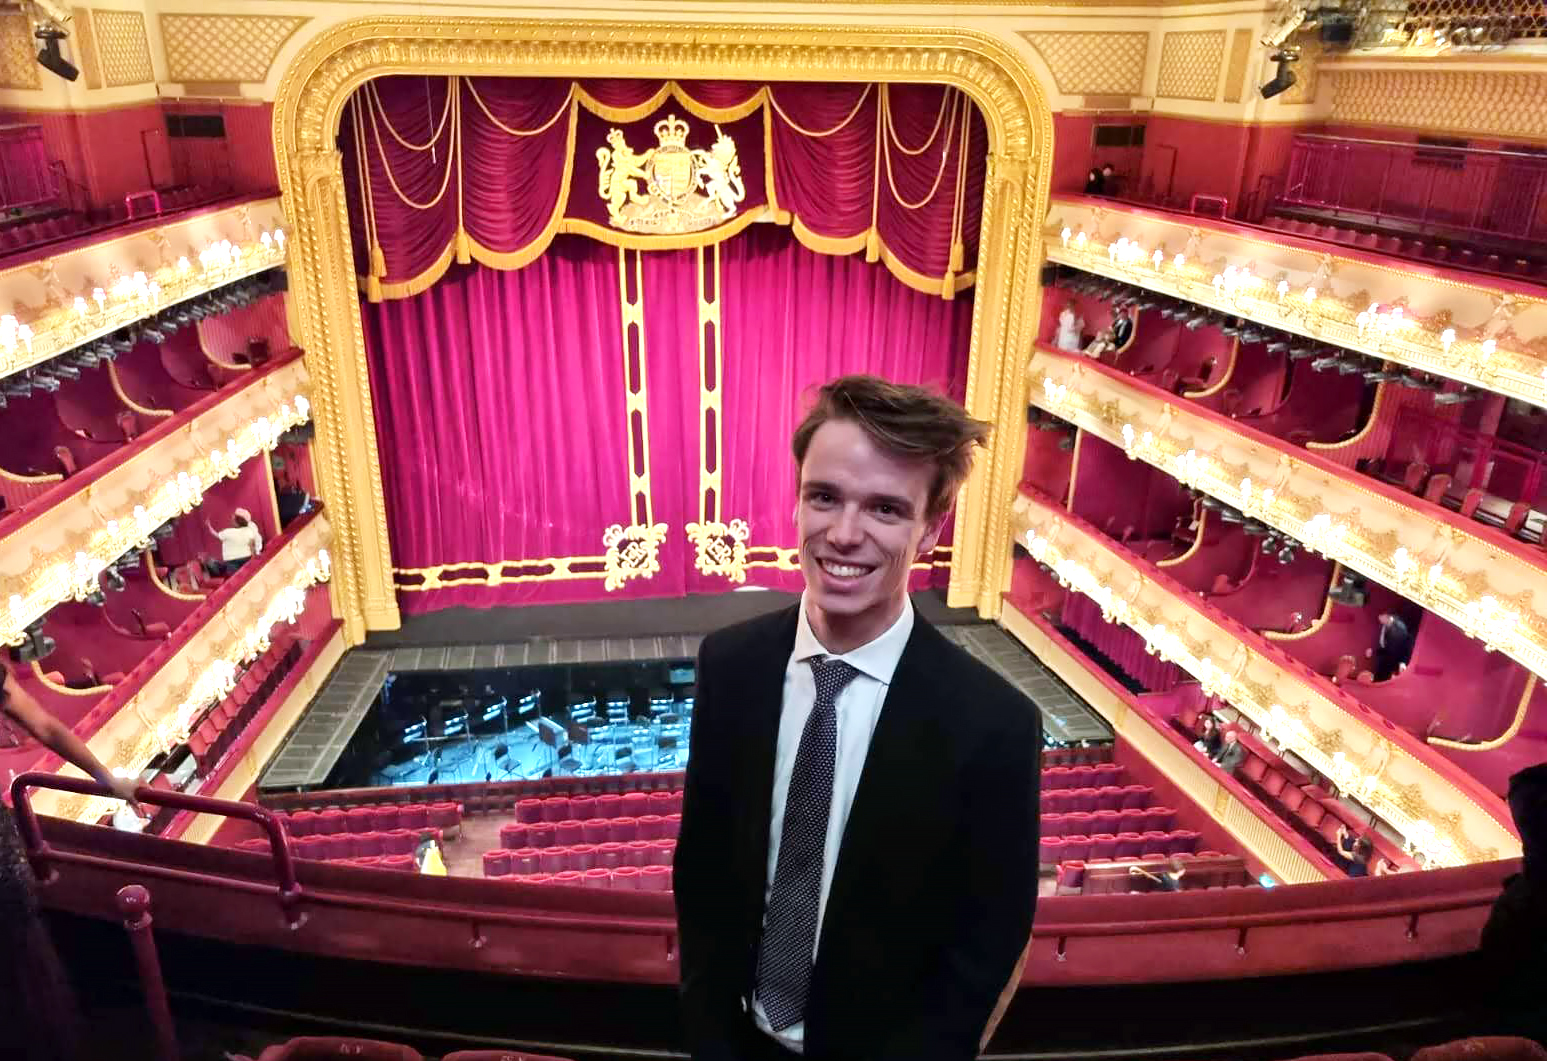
[832,676]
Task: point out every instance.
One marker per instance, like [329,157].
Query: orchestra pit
[399,402]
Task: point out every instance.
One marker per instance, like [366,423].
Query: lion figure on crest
[621,168]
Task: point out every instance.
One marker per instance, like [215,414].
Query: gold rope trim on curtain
[428,145]
[671,90]
[869,240]
[803,131]
[543,128]
[947,98]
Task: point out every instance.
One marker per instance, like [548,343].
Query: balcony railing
[1469,191]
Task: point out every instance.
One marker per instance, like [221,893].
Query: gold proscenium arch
[325,298]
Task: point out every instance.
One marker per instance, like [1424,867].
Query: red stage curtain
[500,403]
[491,169]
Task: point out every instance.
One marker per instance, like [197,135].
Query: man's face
[862,524]
[1385,620]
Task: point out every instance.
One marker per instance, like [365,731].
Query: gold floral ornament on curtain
[685,189]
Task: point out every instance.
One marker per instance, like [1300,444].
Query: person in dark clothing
[1393,647]
[1094,183]
[39,1020]
[1514,939]
[1232,753]
[1354,853]
[1210,739]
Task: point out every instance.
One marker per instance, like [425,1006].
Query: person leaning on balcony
[38,1016]
[1393,647]
[239,543]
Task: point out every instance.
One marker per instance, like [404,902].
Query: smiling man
[857,868]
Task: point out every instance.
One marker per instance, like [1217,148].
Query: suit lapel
[889,763]
[764,682]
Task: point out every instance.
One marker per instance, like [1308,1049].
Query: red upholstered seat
[661,803]
[594,830]
[1161,818]
[415,816]
[1485,1048]
[403,842]
[525,860]
[568,832]
[553,859]
[555,808]
[399,863]
[661,852]
[1079,822]
[1105,821]
[635,804]
[335,846]
[446,815]
[1050,850]
[1273,783]
[1131,821]
[1057,800]
[596,878]
[1071,875]
[332,820]
[626,878]
[1076,847]
[610,855]
[652,827]
[314,847]
[1057,777]
[1054,825]
[540,835]
[1083,799]
[1109,798]
[1103,845]
[1108,774]
[582,807]
[1328,829]
[1156,842]
[1254,767]
[582,856]
[529,810]
[328,1047]
[622,830]
[384,819]
[1137,797]
[570,877]
[301,823]
[609,805]
[1129,845]
[1182,840]
[496,863]
[637,853]
[1311,812]
[370,845]
[1291,798]
[655,879]
[1083,777]
[514,835]
[671,826]
[675,804]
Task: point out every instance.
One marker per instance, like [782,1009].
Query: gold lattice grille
[1473,22]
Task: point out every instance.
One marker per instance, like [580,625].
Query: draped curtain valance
[459,169]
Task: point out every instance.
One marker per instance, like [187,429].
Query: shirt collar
[877,658]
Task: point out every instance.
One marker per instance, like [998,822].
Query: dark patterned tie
[789,931]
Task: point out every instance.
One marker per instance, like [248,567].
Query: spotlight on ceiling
[1285,78]
[49,57]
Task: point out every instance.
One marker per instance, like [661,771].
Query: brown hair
[911,423]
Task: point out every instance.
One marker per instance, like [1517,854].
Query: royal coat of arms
[671,187]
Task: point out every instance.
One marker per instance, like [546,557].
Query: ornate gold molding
[1391,779]
[203,669]
[1496,596]
[60,554]
[311,96]
[1489,337]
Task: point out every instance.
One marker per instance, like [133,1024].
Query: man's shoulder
[961,678]
[750,636]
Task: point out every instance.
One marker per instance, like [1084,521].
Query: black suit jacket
[932,899]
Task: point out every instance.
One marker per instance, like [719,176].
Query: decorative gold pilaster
[633,551]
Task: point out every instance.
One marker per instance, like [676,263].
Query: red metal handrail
[40,855]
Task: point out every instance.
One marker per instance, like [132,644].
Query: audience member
[239,543]
[1393,648]
[1354,852]
[1071,328]
[1122,330]
[1169,879]
[1108,180]
[1514,939]
[427,856]
[1232,753]
[1094,183]
[1210,739]
[38,1016]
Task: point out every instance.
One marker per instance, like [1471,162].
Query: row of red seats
[220,729]
[1110,797]
[608,805]
[528,860]
[18,237]
[377,818]
[1088,823]
[1420,249]
[1099,753]
[338,846]
[590,831]
[1097,776]
[1055,849]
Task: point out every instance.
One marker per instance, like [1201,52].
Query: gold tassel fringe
[464,248]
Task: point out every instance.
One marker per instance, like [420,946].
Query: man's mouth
[839,569]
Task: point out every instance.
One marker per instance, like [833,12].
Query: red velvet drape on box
[501,406]
[1120,644]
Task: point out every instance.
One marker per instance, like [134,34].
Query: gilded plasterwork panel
[1190,63]
[1093,63]
[207,47]
[124,48]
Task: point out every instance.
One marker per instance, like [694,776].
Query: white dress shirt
[858,707]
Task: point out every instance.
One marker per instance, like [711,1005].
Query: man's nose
[846,530]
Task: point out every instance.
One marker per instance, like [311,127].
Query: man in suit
[857,866]
[1393,647]
[1232,753]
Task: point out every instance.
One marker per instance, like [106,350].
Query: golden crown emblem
[671,131]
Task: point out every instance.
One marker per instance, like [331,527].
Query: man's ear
[932,531]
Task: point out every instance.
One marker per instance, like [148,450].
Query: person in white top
[239,542]
[857,866]
[1071,328]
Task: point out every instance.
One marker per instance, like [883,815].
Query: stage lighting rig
[49,56]
[1285,78]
